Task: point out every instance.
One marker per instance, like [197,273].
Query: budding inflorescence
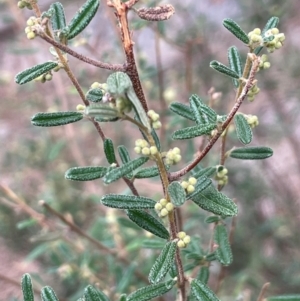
[163,207]
[154,117]
[264,63]
[221,175]
[276,42]
[22,4]
[44,77]
[253,92]
[184,239]
[252,120]
[189,186]
[255,37]
[122,104]
[142,147]
[29,30]
[173,156]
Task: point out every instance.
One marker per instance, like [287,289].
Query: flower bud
[181,235]
[170,207]
[30,35]
[158,206]
[153,150]
[190,189]
[164,212]
[192,180]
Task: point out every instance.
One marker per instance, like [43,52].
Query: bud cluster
[255,38]
[142,147]
[264,63]
[44,77]
[173,156]
[221,175]
[277,42]
[29,30]
[184,239]
[253,92]
[252,120]
[122,104]
[22,4]
[163,207]
[154,117]
[189,186]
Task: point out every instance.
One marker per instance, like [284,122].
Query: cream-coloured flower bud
[278,45]
[176,150]
[280,37]
[21,4]
[164,212]
[192,180]
[184,184]
[257,31]
[80,107]
[181,235]
[275,31]
[144,143]
[163,202]
[153,150]
[28,29]
[266,65]
[30,21]
[158,206]
[180,244]
[169,94]
[150,113]
[139,142]
[30,35]
[137,149]
[221,182]
[146,151]
[95,85]
[156,125]
[170,207]
[187,239]
[155,117]
[48,76]
[264,58]
[190,189]
[177,158]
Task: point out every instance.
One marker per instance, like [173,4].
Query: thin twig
[96,63]
[263,291]
[175,175]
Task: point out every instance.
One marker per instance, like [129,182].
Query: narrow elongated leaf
[153,244]
[125,157]
[182,110]
[48,294]
[203,113]
[148,223]
[27,288]
[235,63]
[195,103]
[193,131]
[251,153]
[177,194]
[58,20]
[147,172]
[151,291]
[284,298]
[202,183]
[223,252]
[203,274]
[55,119]
[124,282]
[202,292]
[212,219]
[236,30]
[87,173]
[124,170]
[216,202]
[101,111]
[127,201]
[243,129]
[272,23]
[34,72]
[156,139]
[92,294]
[208,172]
[163,263]
[82,18]
[223,69]
[94,95]
[109,151]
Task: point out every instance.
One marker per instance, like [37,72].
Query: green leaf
[87,173]
[58,20]
[208,172]
[193,131]
[123,297]
[216,202]
[243,129]
[223,69]
[284,298]
[56,118]
[147,172]
[34,72]
[27,289]
[251,153]
[26,223]
[148,223]
[82,18]
[202,292]
[124,282]
[177,194]
[125,157]
[235,63]
[203,113]
[211,256]
[182,110]
[203,274]
[124,170]
[127,201]
[163,263]
[223,252]
[153,243]
[236,30]
[202,183]
[151,291]
[92,294]
[109,151]
[94,95]
[48,294]
[212,219]
[101,112]
[272,23]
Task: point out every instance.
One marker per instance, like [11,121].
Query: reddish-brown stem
[176,175]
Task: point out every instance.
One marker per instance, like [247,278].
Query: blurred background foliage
[173,59]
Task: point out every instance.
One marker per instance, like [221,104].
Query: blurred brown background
[173,59]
